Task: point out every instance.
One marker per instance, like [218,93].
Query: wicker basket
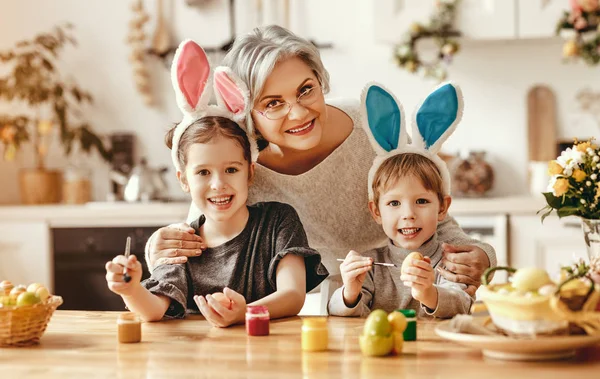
[23,326]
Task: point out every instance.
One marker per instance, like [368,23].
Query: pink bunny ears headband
[190,73]
[434,121]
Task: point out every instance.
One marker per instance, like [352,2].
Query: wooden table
[84,345]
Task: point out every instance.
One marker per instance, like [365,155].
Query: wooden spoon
[160,40]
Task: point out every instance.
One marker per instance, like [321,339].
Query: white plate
[535,349]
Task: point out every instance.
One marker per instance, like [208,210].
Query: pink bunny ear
[230,91]
[190,74]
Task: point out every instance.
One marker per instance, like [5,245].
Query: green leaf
[568,211]
[553,201]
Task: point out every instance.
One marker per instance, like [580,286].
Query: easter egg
[409,258]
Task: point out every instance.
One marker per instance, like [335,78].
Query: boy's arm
[289,297]
[338,307]
[452,300]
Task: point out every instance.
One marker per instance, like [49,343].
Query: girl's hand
[114,274]
[354,271]
[217,314]
[464,264]
[173,244]
[419,276]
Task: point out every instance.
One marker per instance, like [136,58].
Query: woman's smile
[302,129]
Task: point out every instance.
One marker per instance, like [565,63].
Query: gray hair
[254,55]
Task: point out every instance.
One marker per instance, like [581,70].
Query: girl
[315,156]
[409,193]
[255,254]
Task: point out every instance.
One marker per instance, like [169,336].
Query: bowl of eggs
[532,304]
[25,312]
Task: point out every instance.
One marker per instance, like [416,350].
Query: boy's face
[409,213]
[217,177]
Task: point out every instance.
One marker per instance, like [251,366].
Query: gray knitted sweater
[383,288]
[331,199]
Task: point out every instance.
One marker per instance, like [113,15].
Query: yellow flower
[570,49]
[44,127]
[10,152]
[579,175]
[583,146]
[554,168]
[561,186]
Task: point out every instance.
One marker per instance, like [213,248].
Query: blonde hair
[253,57]
[403,165]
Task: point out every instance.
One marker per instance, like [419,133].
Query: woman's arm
[465,258]
[289,297]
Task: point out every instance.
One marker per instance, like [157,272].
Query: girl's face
[409,213]
[302,127]
[217,177]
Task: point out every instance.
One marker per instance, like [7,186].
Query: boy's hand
[217,314]
[354,271]
[419,276]
[114,274]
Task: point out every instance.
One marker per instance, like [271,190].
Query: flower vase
[591,234]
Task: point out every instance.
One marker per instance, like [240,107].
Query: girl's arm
[289,297]
[150,307]
[138,299]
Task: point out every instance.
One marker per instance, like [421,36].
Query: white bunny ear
[383,119]
[189,74]
[437,117]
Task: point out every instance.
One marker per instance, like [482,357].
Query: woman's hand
[219,315]
[114,274]
[464,264]
[173,244]
[354,271]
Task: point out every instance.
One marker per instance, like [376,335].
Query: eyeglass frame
[290,106]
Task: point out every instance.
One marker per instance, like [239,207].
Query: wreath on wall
[580,26]
[440,28]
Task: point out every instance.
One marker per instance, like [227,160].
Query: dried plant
[34,80]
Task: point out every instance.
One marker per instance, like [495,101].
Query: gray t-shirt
[247,264]
[383,288]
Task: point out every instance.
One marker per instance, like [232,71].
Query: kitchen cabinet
[476,19]
[538,18]
[25,254]
[555,243]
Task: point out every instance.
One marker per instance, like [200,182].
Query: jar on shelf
[472,175]
[76,185]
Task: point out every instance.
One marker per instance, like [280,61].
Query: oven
[80,255]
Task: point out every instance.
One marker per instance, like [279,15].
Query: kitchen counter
[159,213]
[83,344]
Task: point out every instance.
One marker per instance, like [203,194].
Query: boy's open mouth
[409,231]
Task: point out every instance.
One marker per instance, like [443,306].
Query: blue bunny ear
[438,116]
[383,118]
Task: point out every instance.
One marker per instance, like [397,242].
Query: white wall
[494,77]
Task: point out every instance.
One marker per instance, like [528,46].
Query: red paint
[257,320]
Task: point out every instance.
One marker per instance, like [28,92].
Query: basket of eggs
[531,304]
[25,313]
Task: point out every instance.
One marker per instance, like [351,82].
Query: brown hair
[206,129]
[403,165]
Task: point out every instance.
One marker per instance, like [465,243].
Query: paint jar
[315,335]
[129,328]
[410,333]
[257,320]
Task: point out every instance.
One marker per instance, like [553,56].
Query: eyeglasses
[282,108]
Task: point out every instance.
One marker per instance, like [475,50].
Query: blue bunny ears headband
[190,73]
[434,121]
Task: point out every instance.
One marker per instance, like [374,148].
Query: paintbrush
[375,263]
[126,277]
